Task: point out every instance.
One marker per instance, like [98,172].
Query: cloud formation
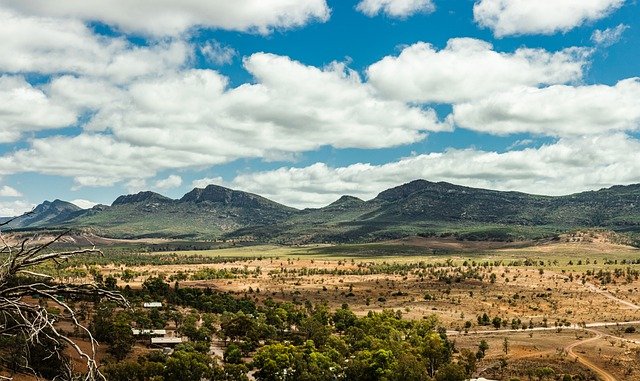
[191,118]
[518,17]
[172,18]
[36,44]
[83,204]
[566,166]
[218,54]
[609,36]
[7,191]
[468,68]
[24,108]
[173,181]
[14,208]
[556,110]
[395,8]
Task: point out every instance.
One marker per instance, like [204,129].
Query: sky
[305,101]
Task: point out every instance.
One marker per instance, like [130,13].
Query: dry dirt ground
[549,291]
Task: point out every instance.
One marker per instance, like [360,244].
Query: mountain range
[416,208]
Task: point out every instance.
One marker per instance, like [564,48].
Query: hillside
[417,208]
[202,213]
[426,208]
[49,213]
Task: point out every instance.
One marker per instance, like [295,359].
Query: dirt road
[604,375]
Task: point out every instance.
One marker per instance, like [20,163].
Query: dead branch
[32,320]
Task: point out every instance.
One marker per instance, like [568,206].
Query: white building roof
[166,340]
[159,332]
[152,305]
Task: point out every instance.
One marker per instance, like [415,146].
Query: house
[166,341]
[152,305]
[149,332]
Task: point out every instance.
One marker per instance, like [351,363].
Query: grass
[558,254]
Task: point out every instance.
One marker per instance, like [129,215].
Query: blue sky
[305,101]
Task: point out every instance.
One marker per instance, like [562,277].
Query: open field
[551,299]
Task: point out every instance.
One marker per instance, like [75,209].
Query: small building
[166,341]
[149,332]
[152,305]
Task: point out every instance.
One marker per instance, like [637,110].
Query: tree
[468,361]
[233,354]
[121,339]
[451,372]
[275,362]
[33,322]
[188,364]
[482,348]
[344,318]
[505,346]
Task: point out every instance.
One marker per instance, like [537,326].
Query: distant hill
[210,213]
[416,208]
[48,213]
[427,208]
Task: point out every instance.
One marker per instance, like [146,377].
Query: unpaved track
[604,375]
[593,288]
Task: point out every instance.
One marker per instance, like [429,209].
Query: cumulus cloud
[24,108]
[14,208]
[192,119]
[7,191]
[291,108]
[566,166]
[217,53]
[517,17]
[609,36]
[468,68]
[202,183]
[136,185]
[34,44]
[173,181]
[84,204]
[556,110]
[172,18]
[395,8]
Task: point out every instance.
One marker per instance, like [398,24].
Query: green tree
[468,361]
[482,348]
[451,372]
[233,354]
[188,364]
[344,318]
[275,362]
[120,339]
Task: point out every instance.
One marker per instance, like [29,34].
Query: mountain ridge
[416,207]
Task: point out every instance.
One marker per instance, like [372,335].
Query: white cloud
[202,183]
[217,53]
[556,110]
[173,181]
[24,108]
[49,46]
[136,185]
[395,8]
[567,166]
[7,191]
[516,17]
[609,36]
[171,18]
[291,108]
[15,208]
[192,119]
[97,160]
[84,204]
[469,68]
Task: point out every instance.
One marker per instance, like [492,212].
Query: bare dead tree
[32,321]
